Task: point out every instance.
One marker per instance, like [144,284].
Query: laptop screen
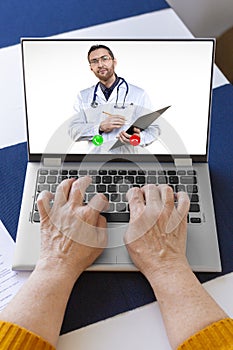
[83,96]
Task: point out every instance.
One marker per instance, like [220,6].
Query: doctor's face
[102,64]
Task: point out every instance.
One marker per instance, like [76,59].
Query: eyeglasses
[103,59]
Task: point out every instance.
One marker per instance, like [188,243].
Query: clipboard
[141,123]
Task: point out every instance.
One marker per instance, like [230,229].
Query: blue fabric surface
[40,18]
[13,161]
[99,295]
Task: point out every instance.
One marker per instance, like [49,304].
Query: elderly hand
[73,235]
[156,236]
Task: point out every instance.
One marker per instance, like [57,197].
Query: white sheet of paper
[10,281]
[141,328]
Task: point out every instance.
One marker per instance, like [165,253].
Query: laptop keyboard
[114,184]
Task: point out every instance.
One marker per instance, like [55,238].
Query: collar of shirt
[107,91]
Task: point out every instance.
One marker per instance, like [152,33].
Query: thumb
[43,203]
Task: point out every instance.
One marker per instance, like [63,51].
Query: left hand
[125,138]
[73,235]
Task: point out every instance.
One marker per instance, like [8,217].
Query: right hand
[111,122]
[156,236]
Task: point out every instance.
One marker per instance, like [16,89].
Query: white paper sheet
[141,328]
[10,281]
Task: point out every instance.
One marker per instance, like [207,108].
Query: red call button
[134,140]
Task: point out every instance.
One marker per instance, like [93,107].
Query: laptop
[173,149]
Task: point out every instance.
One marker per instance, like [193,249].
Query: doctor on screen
[110,107]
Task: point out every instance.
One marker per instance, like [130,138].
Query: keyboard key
[188,180]
[162,180]
[124,197]
[106,195]
[110,208]
[151,179]
[41,179]
[62,178]
[140,179]
[180,188]
[36,217]
[121,207]
[117,216]
[191,172]
[90,196]
[115,197]
[107,179]
[53,172]
[118,179]
[181,172]
[90,188]
[43,172]
[129,179]
[173,180]
[194,208]
[123,188]
[195,220]
[73,172]
[54,188]
[102,172]
[194,198]
[82,172]
[96,179]
[132,172]
[112,172]
[171,172]
[92,172]
[112,188]
[100,188]
[51,179]
[44,187]
[63,172]
[122,172]
[192,189]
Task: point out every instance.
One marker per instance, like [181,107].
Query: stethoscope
[94,103]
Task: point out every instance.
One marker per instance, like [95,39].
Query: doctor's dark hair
[100,46]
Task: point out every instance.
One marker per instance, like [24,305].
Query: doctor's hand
[124,137]
[112,121]
[73,235]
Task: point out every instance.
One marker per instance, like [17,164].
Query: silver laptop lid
[176,73]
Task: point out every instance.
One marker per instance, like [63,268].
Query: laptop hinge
[50,162]
[185,162]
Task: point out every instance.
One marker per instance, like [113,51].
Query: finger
[136,130]
[167,197]
[120,137]
[125,137]
[136,202]
[152,195]
[102,231]
[183,204]
[43,203]
[62,192]
[179,214]
[97,204]
[78,189]
[120,117]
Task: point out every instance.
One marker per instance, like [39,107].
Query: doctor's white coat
[86,121]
